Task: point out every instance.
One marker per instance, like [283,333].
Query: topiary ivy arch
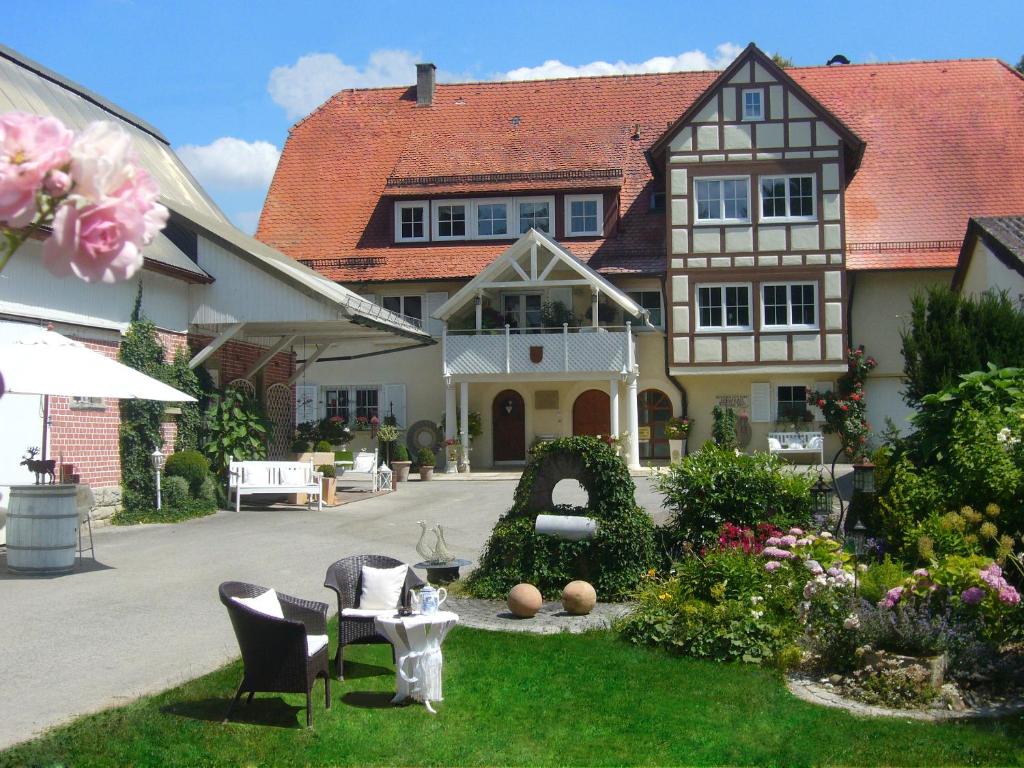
[614,561]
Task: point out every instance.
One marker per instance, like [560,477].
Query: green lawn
[519,699]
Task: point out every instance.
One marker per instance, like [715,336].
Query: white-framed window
[722,200]
[367,402]
[724,306]
[753,104]
[88,404]
[537,213]
[522,310]
[788,197]
[412,222]
[336,403]
[451,219]
[789,305]
[410,306]
[491,218]
[791,402]
[651,301]
[584,215]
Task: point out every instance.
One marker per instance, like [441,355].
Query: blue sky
[224,79]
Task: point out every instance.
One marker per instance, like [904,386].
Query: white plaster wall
[988,272]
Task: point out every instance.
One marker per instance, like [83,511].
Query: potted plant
[426,461]
[452,446]
[328,484]
[677,429]
[400,464]
[387,434]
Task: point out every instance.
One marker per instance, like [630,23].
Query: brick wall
[236,357]
[86,435]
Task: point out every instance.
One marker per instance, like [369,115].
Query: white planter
[676,450]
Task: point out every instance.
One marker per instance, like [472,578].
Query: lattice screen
[279,404]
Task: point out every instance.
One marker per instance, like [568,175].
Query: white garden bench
[789,443]
[365,467]
[249,477]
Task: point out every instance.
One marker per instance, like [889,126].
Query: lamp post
[157,459]
[864,476]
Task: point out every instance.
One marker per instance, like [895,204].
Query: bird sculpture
[438,552]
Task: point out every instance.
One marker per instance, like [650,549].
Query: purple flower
[772,565]
[772,541]
[796,531]
[814,567]
[787,541]
[972,595]
[891,597]
[922,573]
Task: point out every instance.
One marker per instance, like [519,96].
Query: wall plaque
[736,402]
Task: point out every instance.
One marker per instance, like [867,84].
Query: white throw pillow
[314,643]
[382,587]
[267,603]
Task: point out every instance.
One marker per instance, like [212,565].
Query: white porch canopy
[528,263]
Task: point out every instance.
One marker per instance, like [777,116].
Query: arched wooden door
[655,409]
[591,413]
[508,417]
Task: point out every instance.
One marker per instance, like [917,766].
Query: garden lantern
[158,460]
[864,476]
[821,499]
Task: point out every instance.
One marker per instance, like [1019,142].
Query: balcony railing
[606,349]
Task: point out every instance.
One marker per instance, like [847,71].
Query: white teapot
[429,600]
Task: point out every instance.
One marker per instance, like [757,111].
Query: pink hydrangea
[814,567]
[921,573]
[777,554]
[972,595]
[796,531]
[787,541]
[891,597]
[31,146]
[804,542]
[772,541]
[1009,595]
[772,565]
[835,570]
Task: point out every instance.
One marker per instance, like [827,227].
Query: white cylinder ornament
[567,527]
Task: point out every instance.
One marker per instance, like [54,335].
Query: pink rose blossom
[102,161]
[30,147]
[972,595]
[772,565]
[57,183]
[96,243]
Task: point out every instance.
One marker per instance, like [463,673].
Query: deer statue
[40,467]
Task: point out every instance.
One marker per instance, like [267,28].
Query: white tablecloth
[417,640]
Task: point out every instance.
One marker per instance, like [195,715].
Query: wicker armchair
[344,577]
[274,651]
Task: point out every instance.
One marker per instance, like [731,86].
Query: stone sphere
[579,598]
[524,601]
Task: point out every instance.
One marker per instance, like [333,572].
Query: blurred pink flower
[30,147]
[787,541]
[97,243]
[891,597]
[772,565]
[1009,595]
[796,531]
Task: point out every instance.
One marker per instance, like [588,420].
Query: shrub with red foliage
[750,540]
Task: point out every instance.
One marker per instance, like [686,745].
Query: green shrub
[299,445]
[716,485]
[189,509]
[208,490]
[237,429]
[426,458]
[614,561]
[190,465]
[723,427]
[879,578]
[327,470]
[175,492]
[324,446]
[401,453]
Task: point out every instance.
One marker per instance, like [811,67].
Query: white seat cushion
[815,442]
[774,445]
[267,603]
[314,643]
[382,587]
[364,462]
[367,613]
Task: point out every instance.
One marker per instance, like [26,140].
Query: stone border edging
[551,619]
[814,693]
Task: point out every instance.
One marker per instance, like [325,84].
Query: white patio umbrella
[42,362]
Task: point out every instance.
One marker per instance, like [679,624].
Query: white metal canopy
[536,274]
[43,362]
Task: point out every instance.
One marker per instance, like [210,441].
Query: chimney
[425,76]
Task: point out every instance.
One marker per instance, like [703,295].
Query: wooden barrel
[42,524]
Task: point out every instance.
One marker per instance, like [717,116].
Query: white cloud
[315,77]
[230,163]
[687,61]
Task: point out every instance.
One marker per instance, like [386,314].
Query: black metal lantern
[858,538]
[821,498]
[864,476]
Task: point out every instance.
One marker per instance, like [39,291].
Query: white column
[464,422]
[449,420]
[633,422]
[613,396]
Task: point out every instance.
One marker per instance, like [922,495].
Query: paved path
[148,617]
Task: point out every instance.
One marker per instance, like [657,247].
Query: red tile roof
[943,144]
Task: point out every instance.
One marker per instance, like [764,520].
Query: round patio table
[417,640]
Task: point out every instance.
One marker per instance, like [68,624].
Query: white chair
[365,468]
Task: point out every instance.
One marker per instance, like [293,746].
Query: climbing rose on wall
[101,206]
[844,408]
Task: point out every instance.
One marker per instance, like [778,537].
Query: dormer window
[584,215]
[450,219]
[492,218]
[753,104]
[411,221]
[536,213]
